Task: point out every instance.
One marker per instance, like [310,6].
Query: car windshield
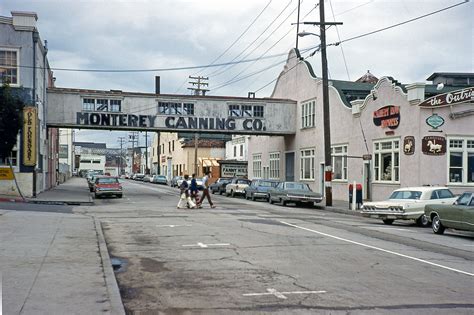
[406,194]
[107,180]
[242,181]
[297,186]
[161,177]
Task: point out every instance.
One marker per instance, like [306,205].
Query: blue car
[259,189]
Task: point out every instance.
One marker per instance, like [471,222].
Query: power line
[339,38]
[356,7]
[399,24]
[235,41]
[217,72]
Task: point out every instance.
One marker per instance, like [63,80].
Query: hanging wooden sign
[409,145]
[433,145]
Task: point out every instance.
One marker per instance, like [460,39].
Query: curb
[113,291]
[59,202]
[11,199]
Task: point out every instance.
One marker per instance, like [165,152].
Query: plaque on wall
[435,121]
[433,145]
[387,116]
[409,145]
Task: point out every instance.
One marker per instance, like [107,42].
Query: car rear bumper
[108,192]
[303,199]
[392,215]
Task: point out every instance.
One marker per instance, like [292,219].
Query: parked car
[259,188]
[219,185]
[459,215]
[236,186]
[139,176]
[91,180]
[147,178]
[408,204]
[174,181]
[107,186]
[159,179]
[298,193]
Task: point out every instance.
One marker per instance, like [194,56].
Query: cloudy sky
[147,34]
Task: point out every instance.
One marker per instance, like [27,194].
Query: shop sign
[6,173]
[409,145]
[435,121]
[63,151]
[388,116]
[451,98]
[433,145]
[233,170]
[29,136]
[367,157]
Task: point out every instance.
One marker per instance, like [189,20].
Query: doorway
[322,181]
[366,181]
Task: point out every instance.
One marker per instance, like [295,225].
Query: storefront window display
[387,161]
[461,160]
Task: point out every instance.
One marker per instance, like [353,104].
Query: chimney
[24,21]
[157,84]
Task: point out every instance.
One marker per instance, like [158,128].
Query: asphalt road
[247,257]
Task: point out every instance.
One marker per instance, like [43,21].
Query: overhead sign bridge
[117,110]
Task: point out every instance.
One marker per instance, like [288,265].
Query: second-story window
[9,66]
[102,105]
[234,111]
[115,105]
[88,104]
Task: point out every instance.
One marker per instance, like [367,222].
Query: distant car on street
[159,179]
[459,215]
[139,176]
[259,188]
[199,184]
[408,204]
[147,178]
[236,187]
[219,185]
[298,193]
[174,181]
[107,186]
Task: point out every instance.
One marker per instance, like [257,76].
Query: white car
[408,204]
[237,187]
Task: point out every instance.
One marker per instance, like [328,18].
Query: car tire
[437,226]
[119,196]
[232,193]
[252,197]
[96,196]
[283,202]
[227,194]
[270,200]
[423,221]
[213,191]
[220,192]
[388,221]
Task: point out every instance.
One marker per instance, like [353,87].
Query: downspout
[35,41]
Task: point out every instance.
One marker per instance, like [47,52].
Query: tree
[11,108]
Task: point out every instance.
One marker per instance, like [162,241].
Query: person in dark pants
[205,192]
[194,188]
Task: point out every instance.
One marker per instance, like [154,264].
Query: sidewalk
[74,191]
[55,264]
[339,206]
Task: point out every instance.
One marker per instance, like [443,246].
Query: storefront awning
[208,162]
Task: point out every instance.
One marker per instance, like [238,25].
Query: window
[257,165]
[246,111]
[235,151]
[339,162]
[258,111]
[12,158]
[9,66]
[307,164]
[461,160]
[174,108]
[163,108]
[241,150]
[308,114]
[275,165]
[188,109]
[115,105]
[234,111]
[102,105]
[88,104]
[387,161]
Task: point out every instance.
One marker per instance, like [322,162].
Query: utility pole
[326,116]
[121,141]
[147,171]
[133,138]
[200,92]
[199,82]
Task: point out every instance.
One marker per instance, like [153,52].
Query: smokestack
[157,84]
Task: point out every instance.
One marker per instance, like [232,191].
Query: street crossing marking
[173,225]
[282,295]
[379,249]
[202,245]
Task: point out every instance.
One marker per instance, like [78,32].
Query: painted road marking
[380,249]
[202,245]
[173,225]
[281,295]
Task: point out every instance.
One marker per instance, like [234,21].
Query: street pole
[326,115]
[121,141]
[196,140]
[146,153]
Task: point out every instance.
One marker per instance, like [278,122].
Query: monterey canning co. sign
[448,99]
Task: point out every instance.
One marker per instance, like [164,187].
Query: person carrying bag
[184,198]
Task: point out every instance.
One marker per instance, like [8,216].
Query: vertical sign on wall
[29,136]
